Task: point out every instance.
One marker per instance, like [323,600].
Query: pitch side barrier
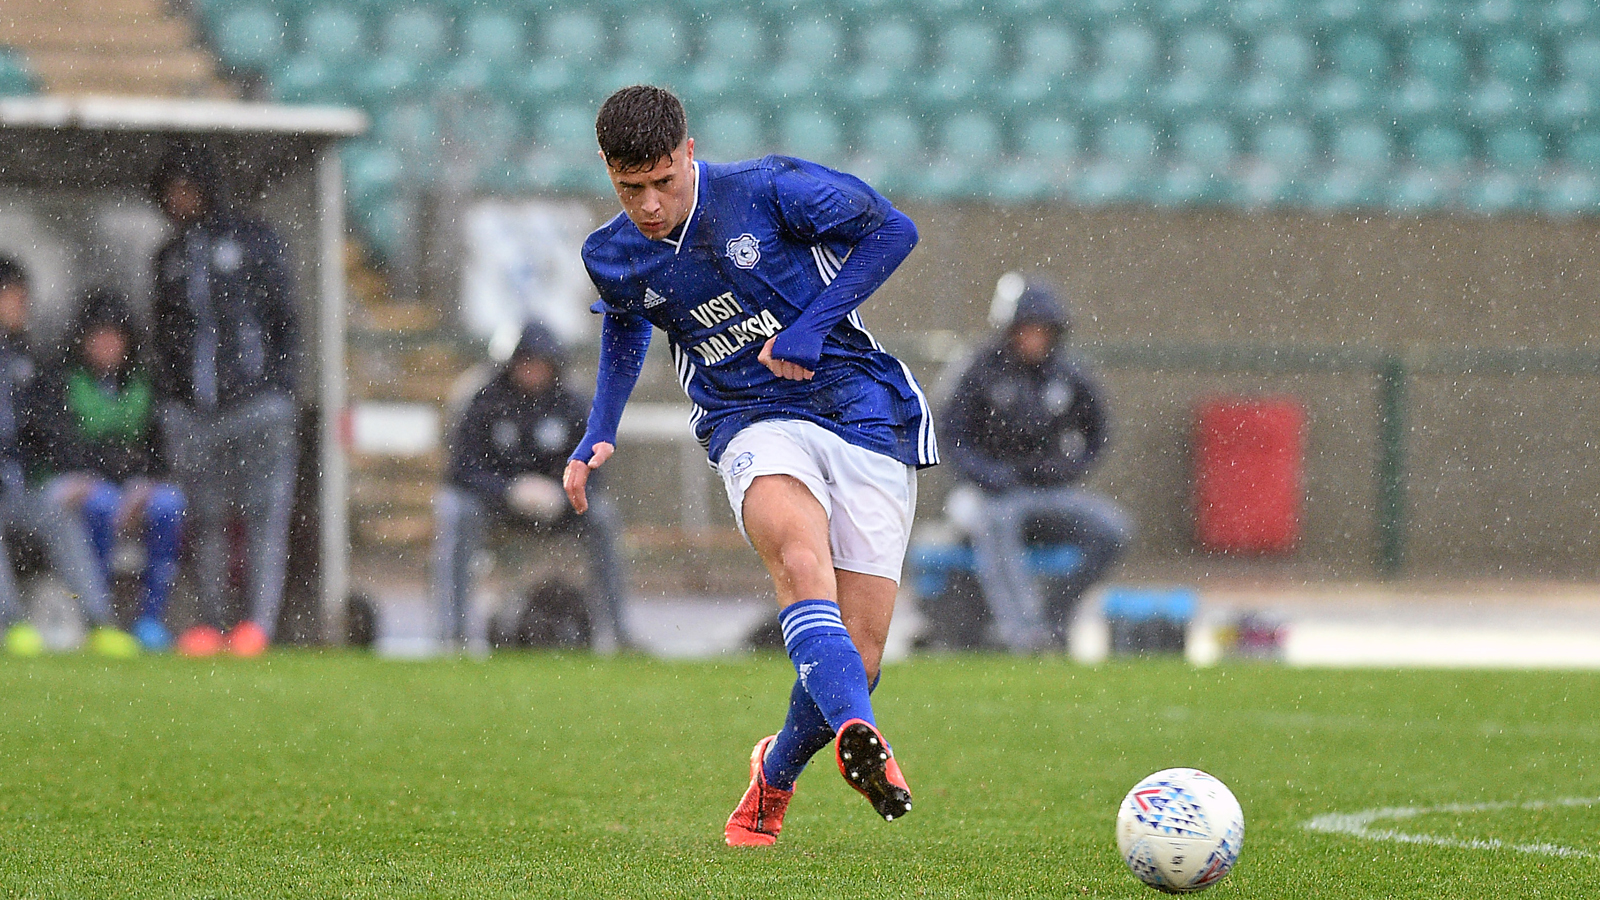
[1393,372]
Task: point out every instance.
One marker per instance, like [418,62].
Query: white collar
[677,245]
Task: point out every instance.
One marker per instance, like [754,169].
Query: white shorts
[870,498]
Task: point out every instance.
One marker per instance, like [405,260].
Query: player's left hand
[576,478]
[780,367]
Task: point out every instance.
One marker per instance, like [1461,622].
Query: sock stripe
[807,616]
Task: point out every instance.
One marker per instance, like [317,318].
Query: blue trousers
[1094,524]
[160,528]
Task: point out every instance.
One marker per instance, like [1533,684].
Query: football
[1180,830]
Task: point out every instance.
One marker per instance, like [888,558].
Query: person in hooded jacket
[1028,424]
[101,449]
[224,369]
[507,452]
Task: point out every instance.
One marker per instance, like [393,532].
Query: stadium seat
[1518,61]
[250,38]
[1440,147]
[372,171]
[1489,18]
[731,50]
[1569,105]
[15,78]
[1570,193]
[1409,16]
[1344,188]
[1252,16]
[1048,58]
[1516,149]
[1496,192]
[811,132]
[1289,147]
[386,79]
[1049,140]
[1131,143]
[889,59]
[1360,54]
[965,63]
[1203,74]
[1438,58]
[1209,144]
[1492,102]
[1360,73]
[1421,189]
[891,136]
[310,78]
[575,34]
[410,130]
[972,137]
[415,33]
[495,35]
[1178,14]
[1580,58]
[335,32]
[1560,19]
[730,133]
[1274,84]
[1105,182]
[1121,82]
[1365,146]
[807,54]
[1338,15]
[1581,150]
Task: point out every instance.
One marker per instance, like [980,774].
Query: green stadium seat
[654,55]
[812,132]
[562,149]
[1339,15]
[1277,75]
[410,130]
[1420,190]
[1252,16]
[387,78]
[1580,58]
[336,32]
[1569,105]
[966,63]
[892,136]
[972,137]
[1178,14]
[731,51]
[575,34]
[1438,58]
[1581,150]
[15,78]
[1130,47]
[1367,146]
[1050,140]
[1570,194]
[808,53]
[731,133]
[1518,61]
[1439,148]
[310,78]
[495,35]
[1345,188]
[420,34]
[1416,100]
[1360,54]
[1048,59]
[1288,147]
[889,62]
[1203,73]
[1490,18]
[1105,182]
[1516,149]
[1408,16]
[1493,102]
[250,38]
[372,171]
[1131,143]
[1498,193]
[1560,19]
[1209,144]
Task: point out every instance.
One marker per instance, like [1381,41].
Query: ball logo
[745,251]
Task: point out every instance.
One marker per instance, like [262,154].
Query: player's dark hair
[12,273]
[639,125]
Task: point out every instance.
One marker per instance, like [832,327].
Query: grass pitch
[340,775]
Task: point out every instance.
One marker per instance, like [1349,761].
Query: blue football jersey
[762,240]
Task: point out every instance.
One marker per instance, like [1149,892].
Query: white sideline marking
[1357,825]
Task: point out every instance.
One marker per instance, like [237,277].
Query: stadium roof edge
[106,113]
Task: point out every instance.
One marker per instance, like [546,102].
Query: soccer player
[754,271]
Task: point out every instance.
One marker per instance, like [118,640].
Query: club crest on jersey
[745,251]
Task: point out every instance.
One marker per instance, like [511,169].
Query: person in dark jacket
[224,370]
[1027,423]
[24,505]
[102,452]
[507,453]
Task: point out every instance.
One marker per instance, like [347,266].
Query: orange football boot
[867,763]
[758,818]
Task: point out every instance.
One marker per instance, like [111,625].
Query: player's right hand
[576,478]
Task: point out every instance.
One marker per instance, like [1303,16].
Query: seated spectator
[507,453]
[102,450]
[1025,424]
[225,366]
[24,506]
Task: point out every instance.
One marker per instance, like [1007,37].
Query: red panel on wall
[1249,466]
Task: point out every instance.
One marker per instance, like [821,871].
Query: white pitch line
[1357,825]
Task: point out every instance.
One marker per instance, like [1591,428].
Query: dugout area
[74,210]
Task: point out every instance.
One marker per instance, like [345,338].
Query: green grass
[339,775]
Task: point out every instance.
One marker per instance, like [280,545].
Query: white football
[1180,830]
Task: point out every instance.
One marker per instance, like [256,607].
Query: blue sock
[804,734]
[831,690]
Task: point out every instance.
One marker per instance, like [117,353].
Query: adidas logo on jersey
[652,299]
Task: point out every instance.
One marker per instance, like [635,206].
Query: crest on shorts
[741,462]
[745,251]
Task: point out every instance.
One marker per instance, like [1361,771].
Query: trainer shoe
[23,639]
[152,635]
[200,640]
[247,639]
[758,818]
[867,763]
[106,640]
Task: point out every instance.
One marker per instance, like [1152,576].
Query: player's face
[658,199]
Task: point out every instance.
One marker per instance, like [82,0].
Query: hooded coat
[506,431]
[1014,425]
[222,281]
[83,423]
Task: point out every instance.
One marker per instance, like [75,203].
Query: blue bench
[933,564]
[1149,619]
